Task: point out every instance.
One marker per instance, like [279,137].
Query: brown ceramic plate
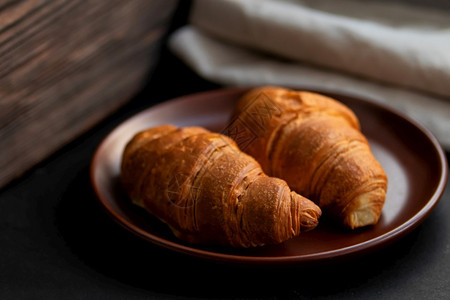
[412,158]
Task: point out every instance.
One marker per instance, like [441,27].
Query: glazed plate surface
[411,157]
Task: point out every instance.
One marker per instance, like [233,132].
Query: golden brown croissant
[315,144]
[207,191]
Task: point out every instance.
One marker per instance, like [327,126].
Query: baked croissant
[315,144]
[207,191]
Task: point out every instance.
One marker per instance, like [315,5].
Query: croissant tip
[310,219]
[361,218]
[366,210]
[310,213]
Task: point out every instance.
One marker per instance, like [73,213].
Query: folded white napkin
[390,53]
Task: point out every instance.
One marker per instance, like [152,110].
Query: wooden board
[65,65]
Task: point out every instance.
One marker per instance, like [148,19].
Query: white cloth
[392,54]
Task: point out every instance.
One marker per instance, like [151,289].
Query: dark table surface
[57,243]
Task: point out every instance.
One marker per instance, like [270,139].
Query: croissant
[315,144]
[207,191]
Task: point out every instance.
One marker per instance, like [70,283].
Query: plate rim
[369,245]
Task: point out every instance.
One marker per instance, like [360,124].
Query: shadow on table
[110,250]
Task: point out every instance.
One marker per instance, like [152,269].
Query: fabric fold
[386,42]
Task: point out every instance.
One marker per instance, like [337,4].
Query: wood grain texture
[65,65]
